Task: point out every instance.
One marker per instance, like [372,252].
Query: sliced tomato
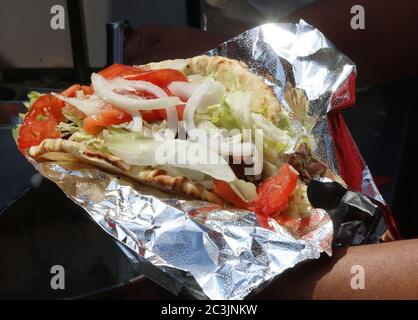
[41,121]
[273,194]
[71,91]
[112,115]
[33,134]
[46,105]
[224,190]
[288,221]
[109,115]
[120,70]
[160,77]
[150,115]
[263,221]
[88,90]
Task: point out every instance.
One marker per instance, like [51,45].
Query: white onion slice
[205,95]
[182,89]
[130,85]
[226,146]
[136,124]
[103,89]
[90,105]
[120,83]
[221,143]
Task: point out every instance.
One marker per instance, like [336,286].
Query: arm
[391,272]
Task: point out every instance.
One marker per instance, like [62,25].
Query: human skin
[390,272]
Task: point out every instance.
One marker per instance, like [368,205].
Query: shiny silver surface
[213,252]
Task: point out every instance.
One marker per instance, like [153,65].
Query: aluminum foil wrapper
[217,253]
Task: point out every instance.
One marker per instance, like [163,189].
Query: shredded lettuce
[99,142]
[299,205]
[173,152]
[239,104]
[221,116]
[71,116]
[246,190]
[207,126]
[73,126]
[32,96]
[68,128]
[96,143]
[270,169]
[89,105]
[15,132]
[112,133]
[284,123]
[137,149]
[234,112]
[275,140]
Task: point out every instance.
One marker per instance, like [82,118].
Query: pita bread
[63,150]
[233,74]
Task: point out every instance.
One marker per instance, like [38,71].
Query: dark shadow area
[139,289]
[44,228]
[300,281]
[383,124]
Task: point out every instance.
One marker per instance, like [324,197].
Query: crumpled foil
[218,253]
[300,55]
